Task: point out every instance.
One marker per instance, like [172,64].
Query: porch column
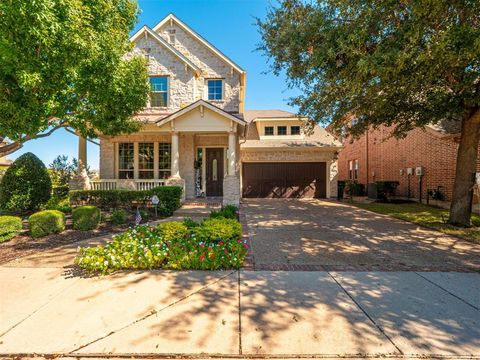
[175,155]
[231,154]
[82,155]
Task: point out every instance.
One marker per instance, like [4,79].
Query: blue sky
[227,24]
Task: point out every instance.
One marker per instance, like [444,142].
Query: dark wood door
[284,180]
[214,171]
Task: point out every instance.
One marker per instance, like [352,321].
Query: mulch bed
[23,244]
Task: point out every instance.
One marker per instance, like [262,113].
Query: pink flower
[202,246]
[246,246]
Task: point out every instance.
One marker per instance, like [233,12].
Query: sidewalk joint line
[240,351]
[449,292]
[366,314]
[152,313]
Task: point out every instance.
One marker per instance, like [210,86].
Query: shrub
[86,217]
[118,216]
[190,223]
[228,212]
[58,203]
[26,184]
[10,226]
[46,222]
[170,245]
[354,188]
[169,198]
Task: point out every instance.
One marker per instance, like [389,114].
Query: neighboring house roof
[196,104]
[199,38]
[146,30]
[447,127]
[252,115]
[319,139]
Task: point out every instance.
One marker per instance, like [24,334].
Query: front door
[214,171]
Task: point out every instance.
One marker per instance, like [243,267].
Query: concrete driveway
[326,235]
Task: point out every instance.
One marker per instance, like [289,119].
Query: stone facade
[231,190]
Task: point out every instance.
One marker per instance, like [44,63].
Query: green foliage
[190,223]
[86,217]
[118,217]
[46,222]
[169,197]
[228,212]
[63,61]
[171,245]
[405,64]
[26,184]
[354,188]
[58,203]
[10,226]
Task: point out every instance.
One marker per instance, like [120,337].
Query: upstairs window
[268,130]
[295,130]
[215,89]
[159,91]
[281,130]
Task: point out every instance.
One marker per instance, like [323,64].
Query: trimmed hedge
[86,217]
[118,217]
[169,197]
[46,222]
[26,184]
[10,226]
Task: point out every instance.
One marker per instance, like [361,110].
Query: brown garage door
[284,180]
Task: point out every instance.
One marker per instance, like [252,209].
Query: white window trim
[168,91]
[206,89]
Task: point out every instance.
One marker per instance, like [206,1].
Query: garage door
[284,180]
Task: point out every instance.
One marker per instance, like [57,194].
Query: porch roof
[199,103]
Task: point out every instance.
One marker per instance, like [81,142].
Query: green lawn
[428,216]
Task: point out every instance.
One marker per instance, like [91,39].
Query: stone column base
[231,190]
[176,181]
[80,182]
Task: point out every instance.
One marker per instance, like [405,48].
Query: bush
[46,222]
[169,197]
[118,216]
[86,217]
[10,226]
[228,212]
[190,223]
[58,203]
[26,184]
[171,245]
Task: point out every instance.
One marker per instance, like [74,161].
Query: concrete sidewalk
[44,310]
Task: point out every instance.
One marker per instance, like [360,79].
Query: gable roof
[196,104]
[146,30]
[252,115]
[190,31]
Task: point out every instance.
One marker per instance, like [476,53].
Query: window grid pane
[145,161]
[159,91]
[268,130]
[282,130]
[125,163]
[215,90]
[164,160]
[295,130]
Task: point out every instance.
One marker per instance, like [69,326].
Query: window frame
[126,170]
[161,160]
[355,169]
[350,169]
[295,126]
[222,91]
[268,127]
[283,127]
[167,91]
[151,163]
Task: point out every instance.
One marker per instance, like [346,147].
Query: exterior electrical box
[409,171]
[419,171]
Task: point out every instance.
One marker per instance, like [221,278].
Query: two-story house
[197,134]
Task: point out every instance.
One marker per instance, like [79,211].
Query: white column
[231,153]
[82,155]
[175,155]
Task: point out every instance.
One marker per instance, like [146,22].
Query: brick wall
[387,156]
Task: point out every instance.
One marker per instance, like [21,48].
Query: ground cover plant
[10,226]
[214,243]
[428,216]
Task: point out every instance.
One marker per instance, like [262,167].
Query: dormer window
[281,130]
[295,130]
[215,89]
[159,91]
[268,130]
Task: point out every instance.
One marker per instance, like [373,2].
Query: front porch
[196,148]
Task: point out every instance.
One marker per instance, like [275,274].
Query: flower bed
[210,245]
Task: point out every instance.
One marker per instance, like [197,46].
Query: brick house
[376,156]
[197,134]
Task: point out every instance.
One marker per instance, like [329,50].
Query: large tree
[398,63]
[64,63]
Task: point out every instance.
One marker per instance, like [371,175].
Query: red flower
[221,242]
[202,246]
[202,257]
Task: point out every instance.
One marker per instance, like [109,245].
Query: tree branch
[9,148]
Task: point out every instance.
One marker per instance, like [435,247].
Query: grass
[428,216]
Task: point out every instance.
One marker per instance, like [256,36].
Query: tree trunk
[461,207]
